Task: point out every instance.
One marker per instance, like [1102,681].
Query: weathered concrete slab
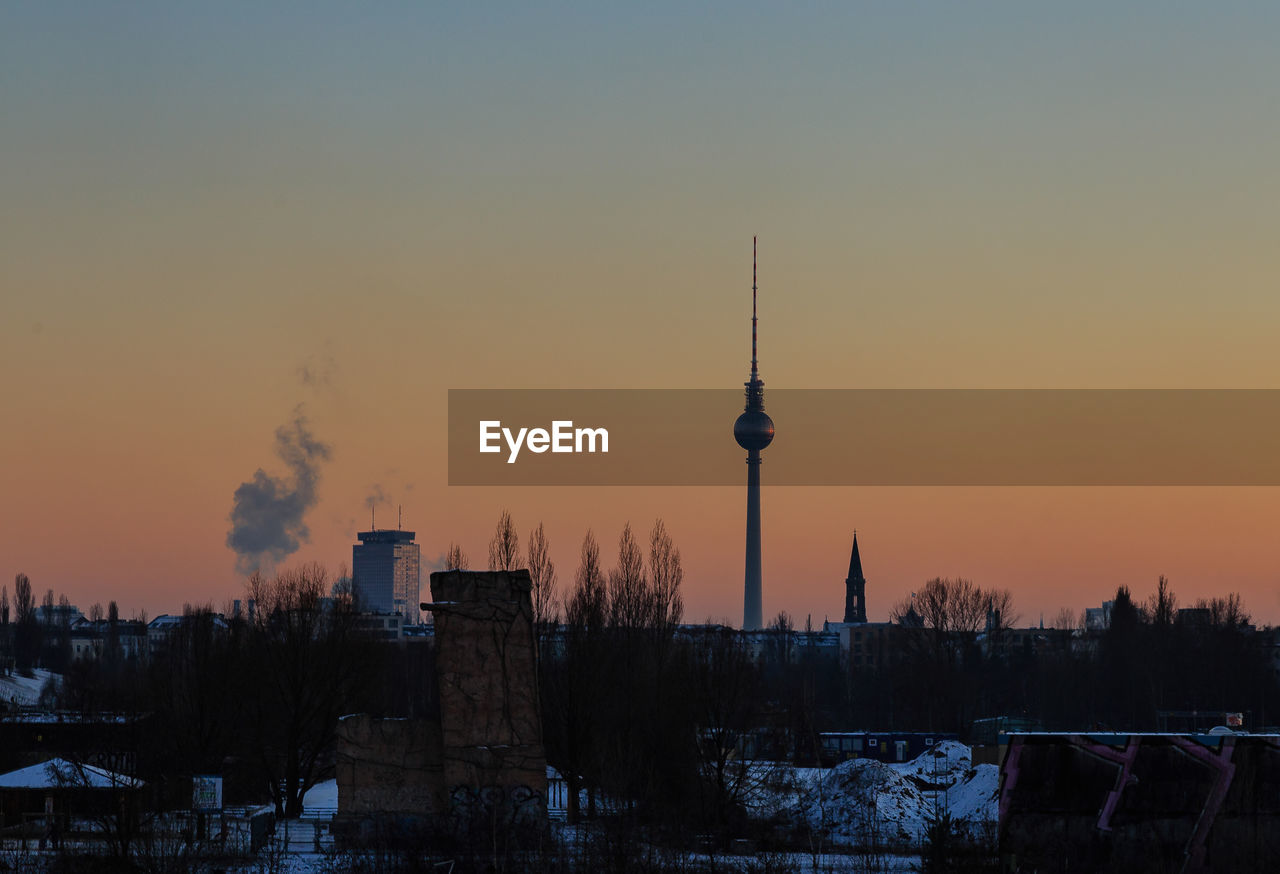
[484,755]
[389,766]
[491,720]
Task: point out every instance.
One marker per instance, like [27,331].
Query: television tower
[754,431]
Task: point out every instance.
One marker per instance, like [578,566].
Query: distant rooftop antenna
[400,517]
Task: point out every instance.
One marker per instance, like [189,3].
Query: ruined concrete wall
[491,721]
[388,766]
[483,759]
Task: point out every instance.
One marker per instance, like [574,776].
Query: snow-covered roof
[173,621]
[61,774]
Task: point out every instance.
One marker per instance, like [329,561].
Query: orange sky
[198,204]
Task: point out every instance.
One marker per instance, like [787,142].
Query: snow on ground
[321,798]
[854,804]
[23,691]
[861,800]
[975,797]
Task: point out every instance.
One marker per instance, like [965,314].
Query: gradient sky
[198,201]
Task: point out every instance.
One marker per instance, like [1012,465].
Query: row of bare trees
[34,636]
[259,694]
[504,554]
[952,659]
[939,642]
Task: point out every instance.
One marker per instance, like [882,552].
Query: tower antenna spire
[755,373]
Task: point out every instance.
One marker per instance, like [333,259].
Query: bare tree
[6,634]
[542,570]
[24,604]
[197,685]
[1162,605]
[455,559]
[958,606]
[47,614]
[504,548]
[118,821]
[1226,612]
[629,604]
[782,622]
[26,634]
[726,683]
[576,712]
[111,652]
[951,606]
[940,628]
[666,574]
[311,664]
[1068,620]
[587,605]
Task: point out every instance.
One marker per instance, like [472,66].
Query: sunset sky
[211,214]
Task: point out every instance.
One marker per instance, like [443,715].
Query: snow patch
[865,801]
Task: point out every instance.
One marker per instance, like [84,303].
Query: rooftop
[386,535]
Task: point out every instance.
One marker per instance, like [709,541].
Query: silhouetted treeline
[1150,658]
[256,696]
[648,719]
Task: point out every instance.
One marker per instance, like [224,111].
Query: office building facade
[385,573]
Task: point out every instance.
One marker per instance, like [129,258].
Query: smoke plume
[439,563]
[267,513]
[376,497]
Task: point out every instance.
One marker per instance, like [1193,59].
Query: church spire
[855,587]
[855,560]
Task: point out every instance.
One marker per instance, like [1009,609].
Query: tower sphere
[753,430]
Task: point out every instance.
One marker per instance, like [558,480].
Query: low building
[883,746]
[160,631]
[1098,619]
[92,639]
[865,645]
[380,626]
[47,798]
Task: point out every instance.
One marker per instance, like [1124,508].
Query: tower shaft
[753,590]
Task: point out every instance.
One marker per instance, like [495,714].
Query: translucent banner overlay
[1005,437]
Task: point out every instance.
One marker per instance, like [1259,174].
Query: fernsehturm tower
[753,431]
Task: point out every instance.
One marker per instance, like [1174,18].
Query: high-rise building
[384,572]
[855,588]
[754,431]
